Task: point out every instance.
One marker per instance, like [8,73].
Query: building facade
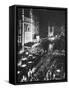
[28,27]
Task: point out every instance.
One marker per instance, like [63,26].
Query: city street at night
[41,45]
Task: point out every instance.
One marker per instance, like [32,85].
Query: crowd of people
[38,63]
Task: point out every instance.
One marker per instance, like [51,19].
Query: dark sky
[49,17]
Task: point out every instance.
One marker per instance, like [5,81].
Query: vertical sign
[23,29]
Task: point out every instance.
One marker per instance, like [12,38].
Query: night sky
[49,17]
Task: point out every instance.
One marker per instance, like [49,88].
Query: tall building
[51,37]
[50,31]
[28,27]
[31,28]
